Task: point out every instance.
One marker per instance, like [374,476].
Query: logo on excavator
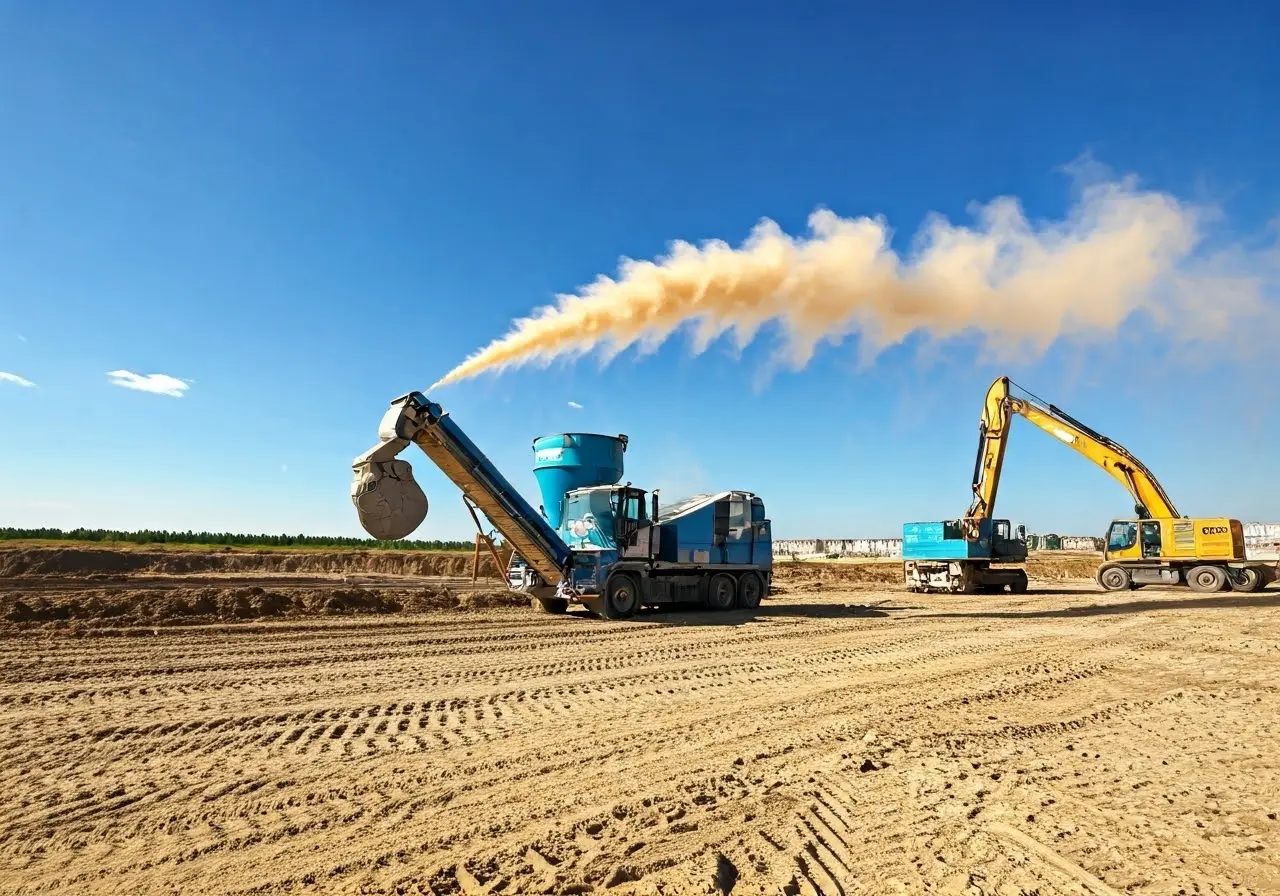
[1213,530]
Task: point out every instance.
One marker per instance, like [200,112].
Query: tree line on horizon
[225,539]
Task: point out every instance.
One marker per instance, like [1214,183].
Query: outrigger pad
[388,499]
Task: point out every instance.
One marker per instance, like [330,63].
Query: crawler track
[833,742]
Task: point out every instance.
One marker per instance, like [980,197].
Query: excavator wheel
[1207,579]
[1114,578]
[556,605]
[720,592]
[750,590]
[1248,578]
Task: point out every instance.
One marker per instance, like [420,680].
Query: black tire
[621,597]
[554,605]
[750,591]
[1207,579]
[1019,585]
[721,592]
[1247,578]
[1114,578]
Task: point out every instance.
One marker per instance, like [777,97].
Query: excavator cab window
[1123,536]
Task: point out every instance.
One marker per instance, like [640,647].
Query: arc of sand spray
[1020,286]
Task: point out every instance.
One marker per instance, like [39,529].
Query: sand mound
[85,561]
[1046,565]
[187,606]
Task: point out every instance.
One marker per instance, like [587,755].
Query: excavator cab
[1006,546]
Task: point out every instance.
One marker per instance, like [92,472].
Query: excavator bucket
[388,499]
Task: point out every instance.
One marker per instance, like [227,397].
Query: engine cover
[388,500]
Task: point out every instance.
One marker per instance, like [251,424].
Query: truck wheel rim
[723,593]
[622,598]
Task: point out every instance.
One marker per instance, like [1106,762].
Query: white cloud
[575,405]
[159,383]
[15,379]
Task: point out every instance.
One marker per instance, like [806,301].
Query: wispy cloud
[15,379]
[158,383]
[575,405]
[21,338]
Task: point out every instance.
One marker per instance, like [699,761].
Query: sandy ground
[845,738]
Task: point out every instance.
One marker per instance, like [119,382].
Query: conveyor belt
[523,528]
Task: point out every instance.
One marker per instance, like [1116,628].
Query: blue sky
[302,210]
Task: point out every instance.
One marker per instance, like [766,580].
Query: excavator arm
[1150,499]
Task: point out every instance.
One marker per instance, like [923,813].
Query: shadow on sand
[698,616]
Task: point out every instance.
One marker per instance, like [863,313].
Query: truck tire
[1248,579]
[556,605]
[721,591]
[1207,579]
[750,591]
[621,597]
[1113,577]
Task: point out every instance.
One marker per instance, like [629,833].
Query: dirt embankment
[85,561]
[190,606]
[88,587]
[85,588]
[1054,566]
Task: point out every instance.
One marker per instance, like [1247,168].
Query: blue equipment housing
[573,460]
[937,557]
[945,541]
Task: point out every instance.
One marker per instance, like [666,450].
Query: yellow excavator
[1158,546]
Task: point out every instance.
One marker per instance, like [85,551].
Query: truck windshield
[588,520]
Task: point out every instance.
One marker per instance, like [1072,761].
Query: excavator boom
[1150,499]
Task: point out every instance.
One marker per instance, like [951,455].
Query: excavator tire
[555,605]
[1207,579]
[721,591]
[1114,578]
[1247,578]
[750,590]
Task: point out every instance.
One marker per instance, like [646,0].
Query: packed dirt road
[838,740]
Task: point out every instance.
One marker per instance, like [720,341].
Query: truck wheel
[720,592]
[1246,578]
[750,590]
[556,605]
[1114,578]
[1207,579]
[621,597]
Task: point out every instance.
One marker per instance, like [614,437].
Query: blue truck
[608,546]
[937,557]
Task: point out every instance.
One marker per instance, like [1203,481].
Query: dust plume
[1018,285]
